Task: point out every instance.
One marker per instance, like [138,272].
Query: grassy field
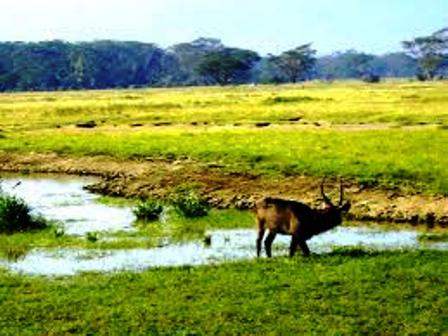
[393,156]
[347,293]
[391,134]
[398,102]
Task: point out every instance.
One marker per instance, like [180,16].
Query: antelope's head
[334,213]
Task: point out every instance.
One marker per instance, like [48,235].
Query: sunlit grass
[417,158]
[218,124]
[341,102]
[349,292]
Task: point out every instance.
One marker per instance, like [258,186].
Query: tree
[397,64]
[57,65]
[227,66]
[8,77]
[296,64]
[40,66]
[431,53]
[348,64]
[188,56]
[109,64]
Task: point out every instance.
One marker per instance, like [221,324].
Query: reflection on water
[226,245]
[66,201]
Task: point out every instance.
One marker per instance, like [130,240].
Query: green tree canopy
[431,53]
[227,66]
[296,64]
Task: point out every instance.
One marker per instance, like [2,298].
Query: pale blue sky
[267,26]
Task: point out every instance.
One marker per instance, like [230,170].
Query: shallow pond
[226,245]
[66,201]
[63,199]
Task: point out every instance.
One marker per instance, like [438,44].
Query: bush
[149,210]
[15,216]
[421,77]
[371,78]
[190,204]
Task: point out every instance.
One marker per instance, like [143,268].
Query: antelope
[288,217]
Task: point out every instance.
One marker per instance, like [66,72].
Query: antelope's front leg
[293,246]
[268,243]
[259,240]
[304,247]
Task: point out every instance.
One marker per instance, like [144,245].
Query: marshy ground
[157,178]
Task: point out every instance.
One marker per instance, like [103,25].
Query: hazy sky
[267,26]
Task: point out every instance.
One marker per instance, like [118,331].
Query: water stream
[65,200]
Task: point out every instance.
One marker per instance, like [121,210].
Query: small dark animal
[296,219]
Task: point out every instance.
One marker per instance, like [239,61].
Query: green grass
[217,124]
[415,158]
[116,201]
[433,237]
[397,102]
[345,293]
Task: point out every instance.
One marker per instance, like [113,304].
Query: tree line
[59,65]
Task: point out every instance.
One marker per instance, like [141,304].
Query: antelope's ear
[346,207]
[325,205]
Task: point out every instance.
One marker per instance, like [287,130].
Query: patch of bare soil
[158,178]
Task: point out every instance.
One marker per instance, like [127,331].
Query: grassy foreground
[349,292]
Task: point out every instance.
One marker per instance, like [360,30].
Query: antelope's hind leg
[268,243]
[259,240]
[261,229]
[304,247]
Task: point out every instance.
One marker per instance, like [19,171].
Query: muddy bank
[159,178]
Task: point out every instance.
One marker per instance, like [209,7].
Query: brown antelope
[296,219]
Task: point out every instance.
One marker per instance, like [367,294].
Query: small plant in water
[15,253]
[148,210]
[92,237]
[189,203]
[15,216]
[59,232]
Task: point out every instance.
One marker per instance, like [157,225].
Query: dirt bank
[158,178]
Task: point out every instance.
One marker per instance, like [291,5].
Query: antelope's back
[277,213]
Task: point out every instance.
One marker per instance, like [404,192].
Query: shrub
[190,204]
[15,216]
[92,237]
[421,77]
[149,210]
[371,78]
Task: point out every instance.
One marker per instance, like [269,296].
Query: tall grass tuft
[189,203]
[15,216]
[149,210]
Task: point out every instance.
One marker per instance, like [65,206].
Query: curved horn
[326,199]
